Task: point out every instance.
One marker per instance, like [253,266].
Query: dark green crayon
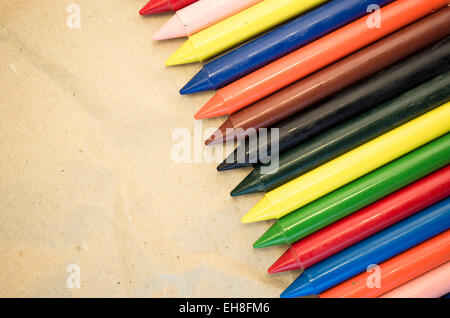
[349,135]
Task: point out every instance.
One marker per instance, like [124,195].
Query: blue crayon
[281,41]
[374,250]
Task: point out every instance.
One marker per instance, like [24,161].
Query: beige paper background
[86,175]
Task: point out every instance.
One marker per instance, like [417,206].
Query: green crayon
[358,194]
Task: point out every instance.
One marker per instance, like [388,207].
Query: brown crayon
[305,93]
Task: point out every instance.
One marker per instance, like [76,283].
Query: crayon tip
[262,211]
[184,55]
[222,134]
[213,108]
[173,28]
[225,166]
[287,262]
[300,287]
[237,159]
[251,184]
[155,6]
[199,83]
[274,236]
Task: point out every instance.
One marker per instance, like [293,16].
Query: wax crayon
[372,251]
[199,16]
[237,29]
[396,271]
[360,97]
[316,55]
[307,92]
[366,222]
[158,6]
[351,166]
[348,135]
[358,194]
[434,284]
[277,43]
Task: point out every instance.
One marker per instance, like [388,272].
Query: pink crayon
[199,16]
[434,284]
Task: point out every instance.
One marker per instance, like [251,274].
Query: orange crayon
[317,55]
[434,284]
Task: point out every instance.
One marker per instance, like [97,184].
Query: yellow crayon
[239,28]
[351,165]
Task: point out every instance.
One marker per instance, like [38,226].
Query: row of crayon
[360,93]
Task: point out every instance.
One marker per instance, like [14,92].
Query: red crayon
[158,6]
[366,222]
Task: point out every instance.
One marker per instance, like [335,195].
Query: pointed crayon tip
[237,159]
[199,83]
[213,108]
[287,262]
[251,184]
[173,28]
[155,6]
[262,211]
[224,166]
[184,55]
[274,236]
[222,134]
[299,288]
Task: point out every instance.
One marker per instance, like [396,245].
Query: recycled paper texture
[92,202]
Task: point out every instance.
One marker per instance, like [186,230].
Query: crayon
[277,43]
[348,135]
[236,29]
[434,284]
[316,55]
[364,223]
[312,89]
[397,270]
[372,251]
[345,104]
[358,194]
[351,166]
[158,6]
[200,15]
